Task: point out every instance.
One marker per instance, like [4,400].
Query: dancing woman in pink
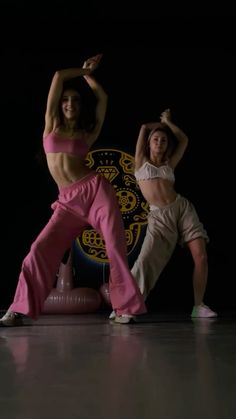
[85,198]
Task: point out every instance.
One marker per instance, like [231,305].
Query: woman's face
[158,142]
[70,103]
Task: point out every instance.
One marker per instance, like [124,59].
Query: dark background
[179,59]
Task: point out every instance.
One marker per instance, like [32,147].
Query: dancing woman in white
[172,218]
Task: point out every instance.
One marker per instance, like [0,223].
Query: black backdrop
[144,70]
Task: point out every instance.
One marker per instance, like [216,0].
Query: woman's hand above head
[165,116]
[92,63]
[180,136]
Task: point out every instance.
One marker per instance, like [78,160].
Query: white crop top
[150,171]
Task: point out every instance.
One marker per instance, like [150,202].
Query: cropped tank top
[55,143]
[150,171]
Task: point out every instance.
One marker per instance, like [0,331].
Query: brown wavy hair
[172,141]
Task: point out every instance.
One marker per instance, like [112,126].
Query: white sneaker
[124,319]
[112,315]
[11,319]
[203,311]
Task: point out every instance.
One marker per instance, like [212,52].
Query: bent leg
[200,272]
[195,236]
[40,266]
[200,275]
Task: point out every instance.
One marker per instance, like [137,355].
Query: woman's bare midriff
[158,192]
[66,168]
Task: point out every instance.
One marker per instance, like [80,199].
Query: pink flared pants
[89,201]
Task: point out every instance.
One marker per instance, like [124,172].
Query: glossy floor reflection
[165,367]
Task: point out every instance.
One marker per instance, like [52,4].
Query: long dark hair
[87,117]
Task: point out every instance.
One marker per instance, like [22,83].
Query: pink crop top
[55,143]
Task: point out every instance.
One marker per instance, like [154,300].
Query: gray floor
[83,366]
